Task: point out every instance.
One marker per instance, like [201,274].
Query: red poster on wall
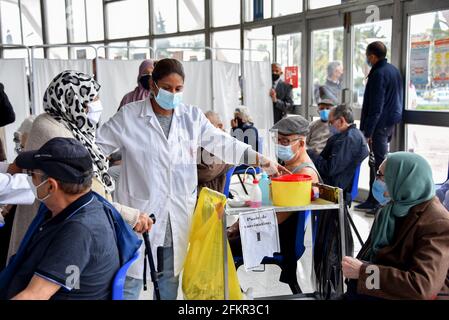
[292,76]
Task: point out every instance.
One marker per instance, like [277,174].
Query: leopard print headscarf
[64,100]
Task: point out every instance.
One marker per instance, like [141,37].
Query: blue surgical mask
[369,63]
[168,100]
[284,153]
[324,115]
[333,130]
[379,188]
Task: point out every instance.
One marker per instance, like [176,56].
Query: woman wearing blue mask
[408,247]
[159,138]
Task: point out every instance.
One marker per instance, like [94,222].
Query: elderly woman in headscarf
[72,110]
[142,91]
[407,253]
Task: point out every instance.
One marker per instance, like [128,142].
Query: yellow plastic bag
[203,268]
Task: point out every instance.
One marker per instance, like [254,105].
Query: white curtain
[45,70]
[117,78]
[226,90]
[13,76]
[256,88]
[197,85]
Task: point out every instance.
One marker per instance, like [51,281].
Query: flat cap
[292,125]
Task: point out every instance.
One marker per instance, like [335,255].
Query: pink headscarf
[139,92]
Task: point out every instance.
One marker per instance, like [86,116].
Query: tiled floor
[264,284]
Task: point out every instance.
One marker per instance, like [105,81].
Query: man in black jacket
[381,111]
[7,116]
[281,94]
[344,151]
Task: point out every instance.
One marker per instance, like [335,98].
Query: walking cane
[148,255]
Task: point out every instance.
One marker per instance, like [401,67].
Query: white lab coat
[159,176]
[14,189]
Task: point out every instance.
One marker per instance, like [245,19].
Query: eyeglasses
[379,175]
[285,141]
[331,122]
[30,173]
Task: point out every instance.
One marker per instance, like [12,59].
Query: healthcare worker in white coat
[159,138]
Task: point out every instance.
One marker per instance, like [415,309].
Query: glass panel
[315,4]
[227,39]
[259,39]
[58,53]
[31,22]
[77,21]
[82,53]
[118,53]
[428,62]
[431,143]
[165,16]
[138,54]
[288,53]
[95,27]
[327,53]
[249,6]
[172,47]
[225,12]
[286,7]
[56,26]
[364,35]
[191,15]
[127,18]
[10,20]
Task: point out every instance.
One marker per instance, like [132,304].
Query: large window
[286,7]
[229,40]
[431,143]
[364,34]
[76,22]
[191,15]
[138,49]
[315,4]
[165,16]
[173,47]
[94,16]
[128,18]
[428,63]
[260,39]
[288,54]
[225,12]
[56,25]
[10,20]
[327,57]
[263,12]
[31,22]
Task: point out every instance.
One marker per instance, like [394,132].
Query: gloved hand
[272,168]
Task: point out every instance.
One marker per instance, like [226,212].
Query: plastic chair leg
[294,287]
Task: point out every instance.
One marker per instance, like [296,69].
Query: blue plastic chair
[119,280]
[438,186]
[355,183]
[229,175]
[278,258]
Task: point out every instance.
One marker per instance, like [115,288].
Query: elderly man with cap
[290,138]
[319,130]
[344,151]
[70,250]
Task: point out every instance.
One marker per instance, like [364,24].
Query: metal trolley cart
[330,198]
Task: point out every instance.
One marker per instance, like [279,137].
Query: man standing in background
[381,111]
[281,94]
